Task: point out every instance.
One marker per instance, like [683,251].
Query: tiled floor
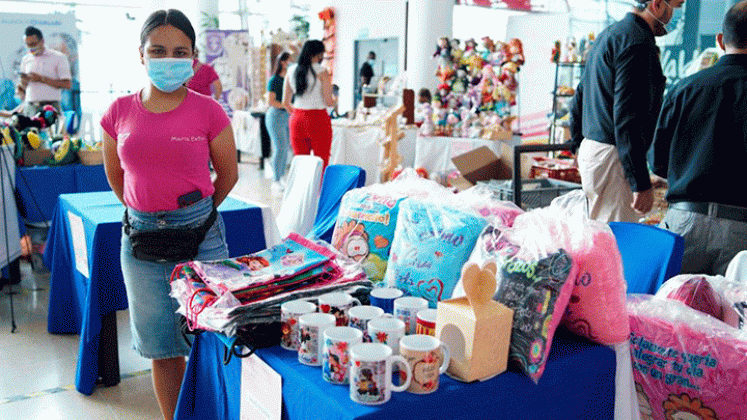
[37,369]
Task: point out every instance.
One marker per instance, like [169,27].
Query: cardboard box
[482,164]
[36,157]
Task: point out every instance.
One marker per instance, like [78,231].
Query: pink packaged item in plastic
[686,364]
[714,295]
[497,212]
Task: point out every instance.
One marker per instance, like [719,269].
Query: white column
[207,11]
[428,20]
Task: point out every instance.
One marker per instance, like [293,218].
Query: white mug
[337,304]
[289,313]
[428,358]
[371,373]
[311,334]
[336,353]
[387,331]
[360,315]
[406,308]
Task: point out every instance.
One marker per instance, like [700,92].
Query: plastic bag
[729,305]
[686,364]
[497,212]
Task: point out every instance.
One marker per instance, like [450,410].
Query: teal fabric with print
[431,244]
[365,226]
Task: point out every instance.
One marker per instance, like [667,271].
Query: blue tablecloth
[78,303]
[579,383]
[39,186]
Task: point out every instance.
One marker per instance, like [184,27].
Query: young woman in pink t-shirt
[157,144]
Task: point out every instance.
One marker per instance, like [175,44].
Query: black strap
[202,229]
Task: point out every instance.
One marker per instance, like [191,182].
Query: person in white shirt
[44,73]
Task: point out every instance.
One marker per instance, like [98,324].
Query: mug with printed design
[336,353]
[428,358]
[311,336]
[384,297]
[406,308]
[360,315]
[289,313]
[387,331]
[426,322]
[337,304]
[371,373]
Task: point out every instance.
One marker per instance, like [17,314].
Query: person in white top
[44,73]
[310,87]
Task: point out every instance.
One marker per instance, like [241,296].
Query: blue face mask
[168,74]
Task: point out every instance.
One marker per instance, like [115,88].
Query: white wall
[363,20]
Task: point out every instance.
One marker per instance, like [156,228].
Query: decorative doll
[440,114]
[500,55]
[443,51]
[488,48]
[445,73]
[427,128]
[466,120]
[459,85]
[452,122]
[502,98]
[516,51]
[508,76]
[470,49]
[475,129]
[487,84]
[456,53]
[555,57]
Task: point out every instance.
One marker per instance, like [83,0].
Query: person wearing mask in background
[276,121]
[20,97]
[366,75]
[156,143]
[310,86]
[614,110]
[44,73]
[700,147]
[205,80]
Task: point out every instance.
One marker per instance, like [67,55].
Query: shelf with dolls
[477,94]
[568,70]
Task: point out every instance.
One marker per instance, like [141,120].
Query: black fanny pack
[170,244]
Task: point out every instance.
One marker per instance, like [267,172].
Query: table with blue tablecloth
[39,186]
[578,383]
[86,285]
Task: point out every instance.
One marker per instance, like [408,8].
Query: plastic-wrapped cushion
[497,212]
[367,219]
[597,306]
[431,243]
[713,295]
[686,364]
[535,279]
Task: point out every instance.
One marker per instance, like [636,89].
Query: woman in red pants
[310,87]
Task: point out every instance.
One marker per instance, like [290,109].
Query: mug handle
[447,358]
[401,360]
[356,302]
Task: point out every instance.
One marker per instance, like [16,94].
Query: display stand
[566,74]
[392,135]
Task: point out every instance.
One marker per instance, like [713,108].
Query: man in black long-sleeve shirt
[700,146]
[614,112]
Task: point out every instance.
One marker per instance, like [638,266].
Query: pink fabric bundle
[597,306]
[686,365]
[497,212]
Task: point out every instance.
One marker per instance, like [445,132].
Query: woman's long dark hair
[310,49]
[171,17]
[285,55]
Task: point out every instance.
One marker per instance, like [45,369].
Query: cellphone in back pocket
[192,197]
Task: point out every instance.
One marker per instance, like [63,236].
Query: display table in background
[86,285]
[39,186]
[358,145]
[578,383]
[435,153]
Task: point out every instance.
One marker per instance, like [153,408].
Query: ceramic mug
[337,304]
[289,313]
[387,331]
[311,336]
[384,298]
[428,358]
[360,315]
[406,308]
[371,373]
[426,322]
[336,353]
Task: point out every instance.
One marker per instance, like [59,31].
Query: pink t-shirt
[164,155]
[203,79]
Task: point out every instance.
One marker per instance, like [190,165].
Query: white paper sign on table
[261,390]
[79,243]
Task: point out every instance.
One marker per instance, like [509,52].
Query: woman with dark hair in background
[276,120]
[310,125]
[205,80]
[156,144]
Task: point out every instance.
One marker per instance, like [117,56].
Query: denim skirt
[155,325]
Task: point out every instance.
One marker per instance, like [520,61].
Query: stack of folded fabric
[227,294]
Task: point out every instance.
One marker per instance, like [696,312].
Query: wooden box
[476,329]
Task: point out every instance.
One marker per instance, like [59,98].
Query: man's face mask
[671,24]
